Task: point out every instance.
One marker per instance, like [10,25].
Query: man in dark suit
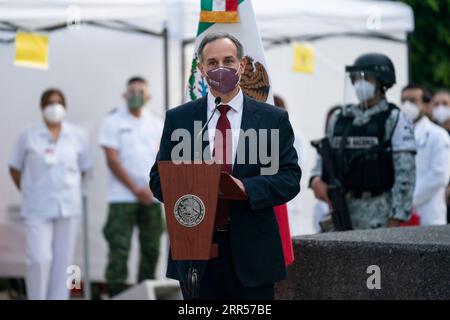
[250,252]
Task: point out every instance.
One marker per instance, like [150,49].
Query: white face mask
[411,110]
[54,113]
[364,90]
[441,114]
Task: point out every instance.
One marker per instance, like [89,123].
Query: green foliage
[430,43]
[191,82]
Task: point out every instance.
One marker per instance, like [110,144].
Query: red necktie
[222,153]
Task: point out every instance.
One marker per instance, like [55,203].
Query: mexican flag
[219,11]
[237,18]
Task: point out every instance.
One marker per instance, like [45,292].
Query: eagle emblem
[189,210]
[255,80]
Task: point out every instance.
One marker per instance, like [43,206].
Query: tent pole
[410,66]
[87,279]
[165,34]
[183,70]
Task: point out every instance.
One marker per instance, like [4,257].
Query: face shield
[359,87]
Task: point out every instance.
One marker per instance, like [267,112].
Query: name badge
[50,156]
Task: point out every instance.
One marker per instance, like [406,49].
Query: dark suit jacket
[255,240]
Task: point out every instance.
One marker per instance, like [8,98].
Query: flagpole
[165,34]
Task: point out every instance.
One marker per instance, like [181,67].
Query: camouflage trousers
[118,231]
[372,213]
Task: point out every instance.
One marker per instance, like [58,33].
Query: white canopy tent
[290,19]
[120,38]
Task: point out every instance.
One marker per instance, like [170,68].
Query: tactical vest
[364,162]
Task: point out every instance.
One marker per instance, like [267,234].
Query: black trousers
[448,214]
[220,281]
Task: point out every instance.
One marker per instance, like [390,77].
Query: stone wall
[413,263]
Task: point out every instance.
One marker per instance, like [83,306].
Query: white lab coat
[432,172]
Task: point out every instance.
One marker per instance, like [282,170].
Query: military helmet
[377,65]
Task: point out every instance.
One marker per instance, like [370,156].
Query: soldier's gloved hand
[320,189]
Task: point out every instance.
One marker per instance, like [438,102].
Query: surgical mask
[441,113]
[364,90]
[135,101]
[411,110]
[54,113]
[223,79]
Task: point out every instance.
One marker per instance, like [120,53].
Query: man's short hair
[217,36]
[440,91]
[136,79]
[426,94]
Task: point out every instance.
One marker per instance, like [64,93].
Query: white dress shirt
[234,115]
[51,170]
[136,139]
[432,172]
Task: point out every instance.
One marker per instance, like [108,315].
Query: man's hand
[320,189]
[393,223]
[240,184]
[144,195]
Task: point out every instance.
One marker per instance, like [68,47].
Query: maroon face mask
[223,79]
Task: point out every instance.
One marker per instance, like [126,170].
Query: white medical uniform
[137,141]
[432,172]
[51,203]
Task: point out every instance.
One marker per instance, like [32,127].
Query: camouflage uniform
[122,218]
[374,212]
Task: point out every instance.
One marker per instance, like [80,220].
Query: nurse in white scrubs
[47,165]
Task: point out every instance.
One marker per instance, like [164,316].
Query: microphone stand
[197,156]
[193,285]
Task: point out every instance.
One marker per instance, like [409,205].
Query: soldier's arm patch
[403,134]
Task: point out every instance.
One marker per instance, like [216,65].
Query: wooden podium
[190,193]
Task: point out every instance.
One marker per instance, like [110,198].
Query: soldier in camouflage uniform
[130,137]
[373,150]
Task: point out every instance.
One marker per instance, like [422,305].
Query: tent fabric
[31,14]
[290,19]
[319,17]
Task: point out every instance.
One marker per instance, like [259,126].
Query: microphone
[217,102]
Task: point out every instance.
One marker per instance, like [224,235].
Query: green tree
[430,43]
